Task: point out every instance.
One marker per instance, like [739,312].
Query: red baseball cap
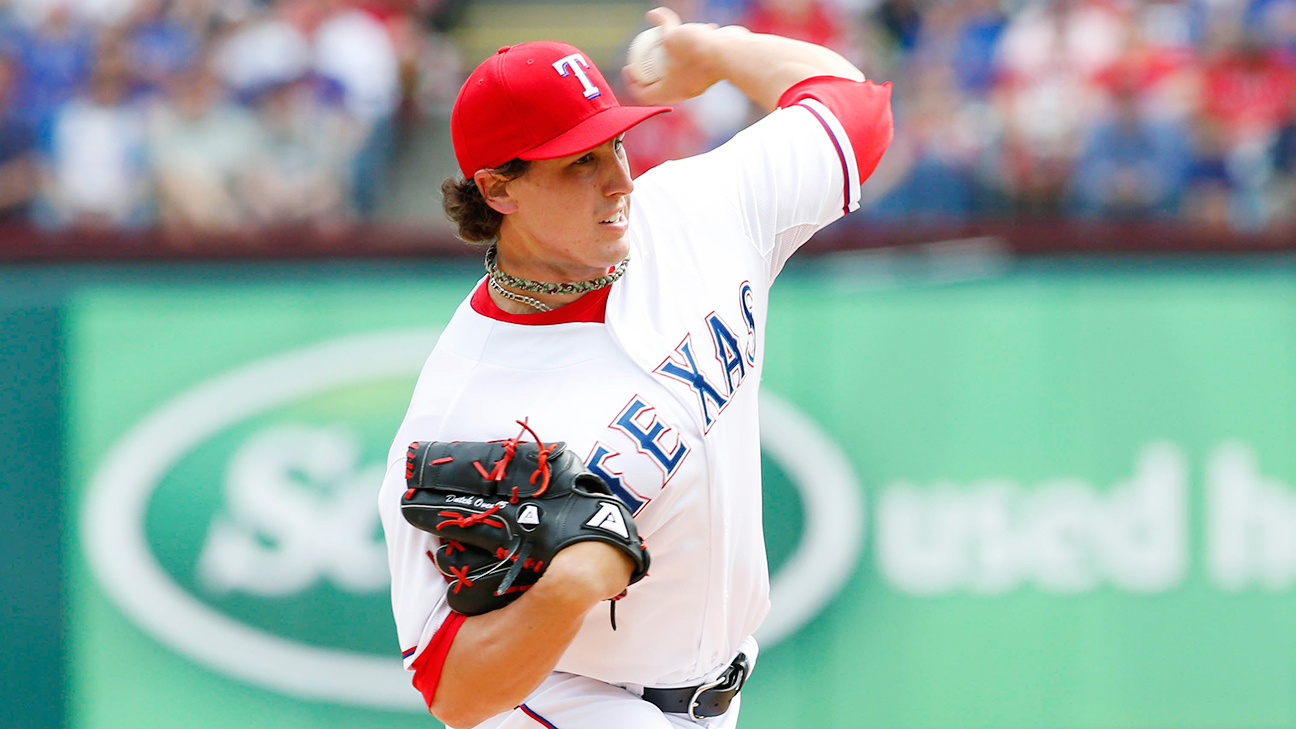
[536,100]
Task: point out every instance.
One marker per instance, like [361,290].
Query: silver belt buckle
[735,675]
[694,703]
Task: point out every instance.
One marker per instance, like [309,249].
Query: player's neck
[518,294]
[518,302]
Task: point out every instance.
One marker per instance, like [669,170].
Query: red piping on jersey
[591,307]
[527,710]
[863,109]
[427,667]
[841,156]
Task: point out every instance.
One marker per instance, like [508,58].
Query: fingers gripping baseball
[671,61]
[503,510]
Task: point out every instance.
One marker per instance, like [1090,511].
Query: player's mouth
[618,222]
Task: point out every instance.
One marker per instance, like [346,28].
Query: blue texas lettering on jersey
[652,437]
[597,462]
[639,420]
[734,359]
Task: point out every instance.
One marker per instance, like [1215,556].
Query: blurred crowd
[212,117]
[1085,109]
[220,117]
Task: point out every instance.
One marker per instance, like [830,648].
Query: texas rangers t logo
[577,64]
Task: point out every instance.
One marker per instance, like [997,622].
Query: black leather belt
[704,700]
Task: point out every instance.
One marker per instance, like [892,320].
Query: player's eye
[584,159]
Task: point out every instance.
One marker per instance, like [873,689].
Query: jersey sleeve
[858,112]
[425,624]
[800,167]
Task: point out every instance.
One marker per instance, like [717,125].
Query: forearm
[500,657]
[761,66]
[765,66]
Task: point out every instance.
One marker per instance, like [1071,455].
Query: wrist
[723,45]
[585,574]
[566,591]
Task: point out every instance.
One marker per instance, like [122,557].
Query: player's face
[570,216]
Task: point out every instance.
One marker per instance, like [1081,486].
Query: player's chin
[614,242]
[618,249]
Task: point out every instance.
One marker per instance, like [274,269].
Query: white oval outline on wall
[113,535]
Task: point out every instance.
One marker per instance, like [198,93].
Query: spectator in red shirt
[813,21]
[1248,90]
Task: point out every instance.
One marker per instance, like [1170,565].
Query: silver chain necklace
[536,304]
[500,279]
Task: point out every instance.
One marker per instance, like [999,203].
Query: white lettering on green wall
[1250,523]
[299,507]
[1063,536]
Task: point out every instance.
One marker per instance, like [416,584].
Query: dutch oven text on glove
[503,509]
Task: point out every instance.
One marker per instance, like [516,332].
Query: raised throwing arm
[761,66]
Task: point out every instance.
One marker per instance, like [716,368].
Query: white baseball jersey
[653,382]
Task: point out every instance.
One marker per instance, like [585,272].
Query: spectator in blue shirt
[56,59]
[1131,164]
[160,46]
[18,163]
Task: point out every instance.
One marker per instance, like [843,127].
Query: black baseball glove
[503,509]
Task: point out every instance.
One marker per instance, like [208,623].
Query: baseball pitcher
[572,505]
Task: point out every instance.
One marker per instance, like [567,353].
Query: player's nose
[618,182]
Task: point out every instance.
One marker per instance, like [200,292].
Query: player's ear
[494,189]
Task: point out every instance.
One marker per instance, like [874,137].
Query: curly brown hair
[466,208]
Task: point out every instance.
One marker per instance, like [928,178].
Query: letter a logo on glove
[608,518]
[529,517]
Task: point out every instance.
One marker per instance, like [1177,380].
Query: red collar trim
[591,307]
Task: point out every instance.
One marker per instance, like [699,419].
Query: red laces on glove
[500,467]
[459,520]
[535,565]
[461,577]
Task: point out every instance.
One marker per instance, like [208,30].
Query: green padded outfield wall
[32,509]
[1062,496]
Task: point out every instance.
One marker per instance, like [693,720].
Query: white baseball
[647,56]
